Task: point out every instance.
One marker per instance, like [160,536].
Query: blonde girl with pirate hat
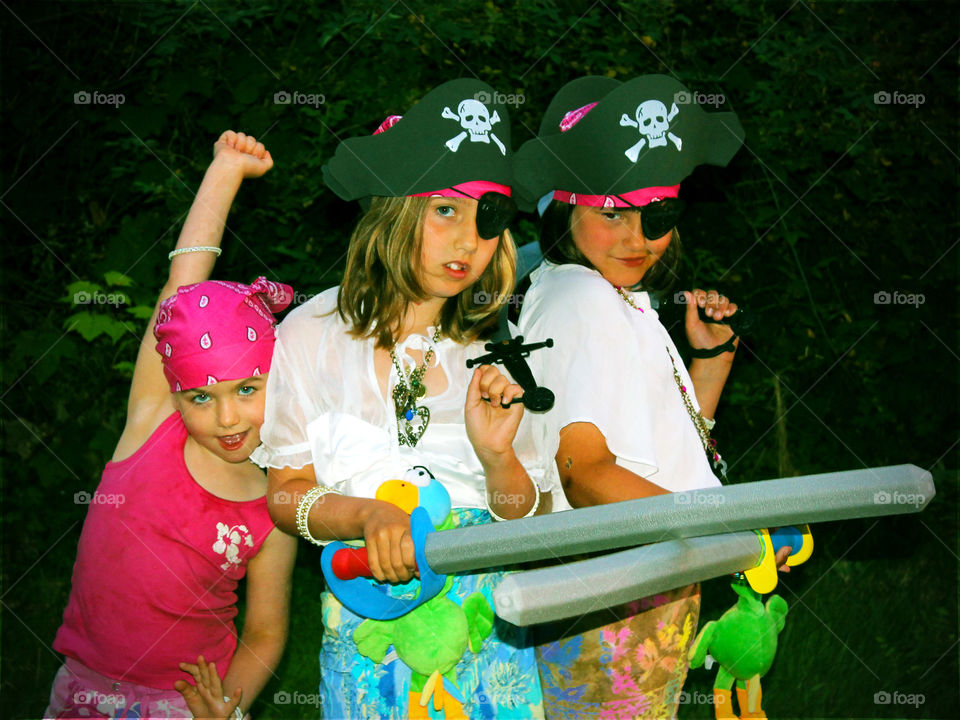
[370,380]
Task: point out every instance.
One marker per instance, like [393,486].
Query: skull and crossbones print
[476,123]
[653,122]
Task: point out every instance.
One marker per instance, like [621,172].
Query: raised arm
[236,156]
[709,375]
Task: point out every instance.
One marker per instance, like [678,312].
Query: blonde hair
[382,277]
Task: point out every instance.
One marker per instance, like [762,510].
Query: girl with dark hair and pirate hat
[370,384]
[630,420]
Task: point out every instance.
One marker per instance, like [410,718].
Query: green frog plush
[744,643]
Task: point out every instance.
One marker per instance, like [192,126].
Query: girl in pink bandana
[180,515]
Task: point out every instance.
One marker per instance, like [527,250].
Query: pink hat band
[634,198]
[474,189]
[217,330]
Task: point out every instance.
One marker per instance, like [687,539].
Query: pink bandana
[634,198]
[217,330]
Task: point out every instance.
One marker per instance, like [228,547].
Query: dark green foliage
[835,198]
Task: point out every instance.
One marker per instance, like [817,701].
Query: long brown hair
[382,277]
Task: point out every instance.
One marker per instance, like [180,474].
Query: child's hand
[390,555]
[243,152]
[492,427]
[716,307]
[206,699]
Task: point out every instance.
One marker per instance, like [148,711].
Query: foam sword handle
[351,562]
[869,492]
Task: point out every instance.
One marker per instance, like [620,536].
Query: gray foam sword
[579,588]
[869,492]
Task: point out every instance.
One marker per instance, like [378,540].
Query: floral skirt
[500,680]
[632,667]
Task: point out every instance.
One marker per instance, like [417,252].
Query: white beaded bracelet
[303,510]
[536,504]
[195,248]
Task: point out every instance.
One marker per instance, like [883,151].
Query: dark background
[837,198]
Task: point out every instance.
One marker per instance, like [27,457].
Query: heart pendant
[414,425]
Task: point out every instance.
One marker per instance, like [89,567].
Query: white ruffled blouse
[324,406]
[611,366]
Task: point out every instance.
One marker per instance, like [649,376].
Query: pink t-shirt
[157,568]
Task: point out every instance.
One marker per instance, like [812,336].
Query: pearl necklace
[412,421]
[699,422]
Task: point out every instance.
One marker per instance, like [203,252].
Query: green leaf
[117,279]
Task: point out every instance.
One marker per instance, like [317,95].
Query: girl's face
[225,418]
[612,240]
[453,256]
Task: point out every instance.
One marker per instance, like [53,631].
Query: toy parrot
[433,637]
[744,642]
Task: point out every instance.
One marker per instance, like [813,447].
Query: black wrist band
[704,353]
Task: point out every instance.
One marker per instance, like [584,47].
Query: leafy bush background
[833,199]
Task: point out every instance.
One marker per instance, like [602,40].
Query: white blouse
[324,406]
[611,366]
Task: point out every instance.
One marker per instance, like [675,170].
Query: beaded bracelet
[536,504]
[303,510]
[196,248]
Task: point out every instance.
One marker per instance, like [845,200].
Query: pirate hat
[601,137]
[458,133]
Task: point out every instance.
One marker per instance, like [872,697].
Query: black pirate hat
[457,133]
[603,137]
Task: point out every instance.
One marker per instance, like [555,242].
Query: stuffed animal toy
[432,638]
[744,643]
